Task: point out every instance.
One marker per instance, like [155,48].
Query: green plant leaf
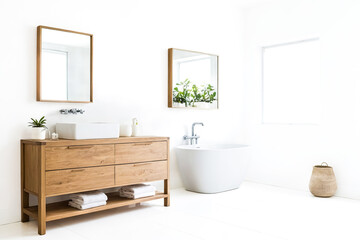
[38,123]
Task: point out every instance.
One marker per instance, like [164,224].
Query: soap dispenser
[135,127]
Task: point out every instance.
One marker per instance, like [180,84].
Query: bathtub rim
[212,147]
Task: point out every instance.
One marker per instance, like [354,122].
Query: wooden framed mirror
[193,80]
[64,65]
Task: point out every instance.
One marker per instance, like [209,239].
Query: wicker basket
[323,181]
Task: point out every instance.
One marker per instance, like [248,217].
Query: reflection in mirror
[193,79]
[64,72]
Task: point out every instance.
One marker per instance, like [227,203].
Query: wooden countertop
[64,142]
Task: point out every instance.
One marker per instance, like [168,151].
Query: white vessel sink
[87,130]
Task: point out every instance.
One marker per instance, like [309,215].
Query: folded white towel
[138,195]
[89,197]
[79,202]
[86,206]
[138,188]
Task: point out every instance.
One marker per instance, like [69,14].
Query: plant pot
[178,105]
[213,104]
[38,133]
[204,105]
[323,181]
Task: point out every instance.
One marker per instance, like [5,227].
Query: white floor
[253,211]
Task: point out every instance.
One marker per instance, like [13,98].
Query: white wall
[283,155]
[131,39]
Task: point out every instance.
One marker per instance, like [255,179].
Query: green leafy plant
[208,94]
[195,95]
[178,96]
[38,123]
[183,93]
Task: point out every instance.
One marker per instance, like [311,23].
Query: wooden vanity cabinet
[57,167]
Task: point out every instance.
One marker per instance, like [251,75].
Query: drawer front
[78,180]
[140,152]
[78,156]
[140,172]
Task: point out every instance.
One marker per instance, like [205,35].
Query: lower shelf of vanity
[60,210]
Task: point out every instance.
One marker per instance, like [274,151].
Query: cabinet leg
[24,204]
[167,202]
[167,191]
[24,195]
[41,215]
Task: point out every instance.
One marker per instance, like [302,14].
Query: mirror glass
[64,65]
[193,79]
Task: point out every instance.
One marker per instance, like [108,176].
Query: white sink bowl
[87,130]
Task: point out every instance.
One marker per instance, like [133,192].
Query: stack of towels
[88,200]
[137,191]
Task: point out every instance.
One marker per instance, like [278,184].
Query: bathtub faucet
[193,135]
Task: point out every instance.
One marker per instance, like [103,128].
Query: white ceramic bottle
[135,127]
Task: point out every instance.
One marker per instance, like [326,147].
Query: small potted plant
[38,130]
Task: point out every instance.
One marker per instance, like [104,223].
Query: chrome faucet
[193,135]
[71,111]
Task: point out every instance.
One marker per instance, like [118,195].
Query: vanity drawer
[78,156]
[140,152]
[140,172]
[78,180]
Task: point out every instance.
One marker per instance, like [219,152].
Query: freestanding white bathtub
[212,168]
